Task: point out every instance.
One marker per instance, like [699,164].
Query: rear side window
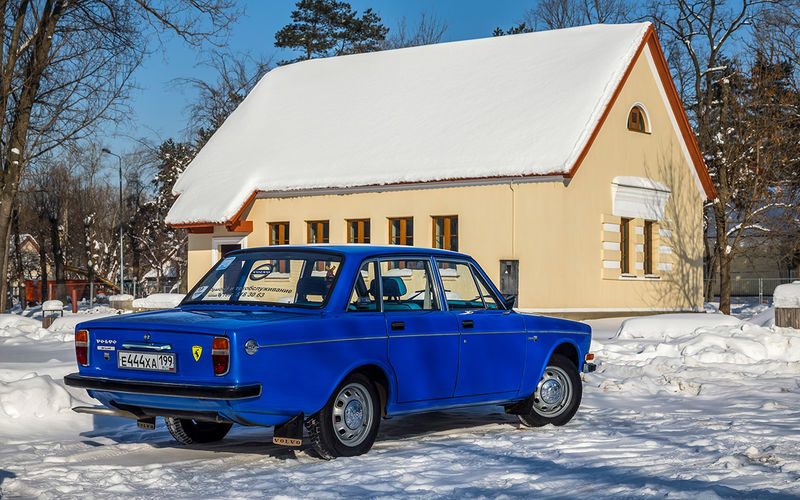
[361,300]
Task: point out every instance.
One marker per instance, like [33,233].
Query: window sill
[633,277]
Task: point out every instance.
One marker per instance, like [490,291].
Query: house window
[624,245]
[401,231]
[445,233]
[637,120]
[358,231]
[648,247]
[318,231]
[278,233]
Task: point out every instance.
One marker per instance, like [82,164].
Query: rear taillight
[220,355]
[82,347]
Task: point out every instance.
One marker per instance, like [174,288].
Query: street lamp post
[121,275]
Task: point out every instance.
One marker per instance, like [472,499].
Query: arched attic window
[637,120]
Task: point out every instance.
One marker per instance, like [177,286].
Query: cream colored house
[562,161]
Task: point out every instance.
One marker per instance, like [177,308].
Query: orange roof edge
[650,39]
[233,221]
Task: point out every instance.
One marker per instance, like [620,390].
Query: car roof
[364,250]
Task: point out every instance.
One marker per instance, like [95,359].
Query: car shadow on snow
[624,480]
[258,440]
[444,421]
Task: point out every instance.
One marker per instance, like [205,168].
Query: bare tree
[701,37]
[65,66]
[428,30]
[236,75]
[558,14]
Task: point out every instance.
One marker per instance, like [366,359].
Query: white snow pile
[787,295]
[666,326]
[159,301]
[15,329]
[677,352]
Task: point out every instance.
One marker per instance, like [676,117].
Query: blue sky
[160,103]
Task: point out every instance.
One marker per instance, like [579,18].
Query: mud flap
[289,433]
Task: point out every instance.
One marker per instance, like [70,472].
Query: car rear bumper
[223,392]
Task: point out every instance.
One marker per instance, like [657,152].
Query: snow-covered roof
[504,106]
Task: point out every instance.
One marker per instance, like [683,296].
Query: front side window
[358,231]
[406,285]
[255,277]
[445,232]
[461,289]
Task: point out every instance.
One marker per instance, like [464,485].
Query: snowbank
[159,301]
[666,326]
[787,295]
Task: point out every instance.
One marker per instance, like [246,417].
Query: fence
[751,286]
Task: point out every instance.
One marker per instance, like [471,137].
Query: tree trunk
[19,123]
[18,262]
[724,256]
[43,273]
[87,242]
[58,259]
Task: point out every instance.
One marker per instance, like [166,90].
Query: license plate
[137,360]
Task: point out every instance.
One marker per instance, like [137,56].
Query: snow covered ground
[682,406]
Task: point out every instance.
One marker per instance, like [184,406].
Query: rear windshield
[285,278]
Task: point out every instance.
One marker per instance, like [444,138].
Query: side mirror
[509,301]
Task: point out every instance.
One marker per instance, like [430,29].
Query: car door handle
[467,323]
[398,325]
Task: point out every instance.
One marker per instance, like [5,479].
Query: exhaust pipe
[102,410]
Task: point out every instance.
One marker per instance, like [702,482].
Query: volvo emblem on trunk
[147,336]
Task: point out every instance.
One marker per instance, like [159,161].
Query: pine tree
[323,28]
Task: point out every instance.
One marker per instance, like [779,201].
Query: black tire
[557,396]
[188,431]
[348,423]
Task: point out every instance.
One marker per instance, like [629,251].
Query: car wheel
[348,423]
[188,431]
[557,395]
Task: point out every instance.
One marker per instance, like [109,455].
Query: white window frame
[225,240]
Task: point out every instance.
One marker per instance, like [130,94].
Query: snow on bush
[159,301]
[787,295]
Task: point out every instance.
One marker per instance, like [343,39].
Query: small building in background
[562,161]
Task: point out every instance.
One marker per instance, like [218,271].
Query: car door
[492,340]
[423,338]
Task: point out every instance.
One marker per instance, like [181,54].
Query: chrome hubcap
[553,392]
[352,414]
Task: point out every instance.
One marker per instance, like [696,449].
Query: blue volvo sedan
[331,338]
